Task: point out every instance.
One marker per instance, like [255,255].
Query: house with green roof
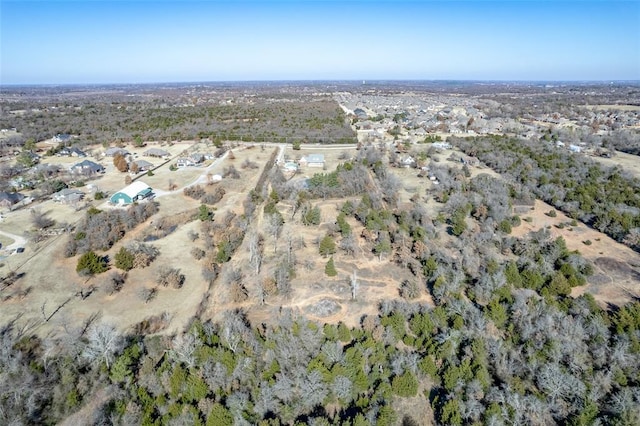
[137,191]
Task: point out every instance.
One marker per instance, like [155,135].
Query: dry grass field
[49,280]
[617,268]
[628,162]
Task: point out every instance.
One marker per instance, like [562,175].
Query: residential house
[72,152]
[9,199]
[441,145]
[87,167]
[197,158]
[68,195]
[408,161]
[575,148]
[28,158]
[137,191]
[360,113]
[312,160]
[113,151]
[156,152]
[143,165]
[62,138]
[185,162]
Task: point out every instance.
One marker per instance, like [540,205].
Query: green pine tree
[330,268]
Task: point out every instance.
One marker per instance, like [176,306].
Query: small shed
[137,191]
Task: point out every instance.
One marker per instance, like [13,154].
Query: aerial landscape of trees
[484,325]
[603,197]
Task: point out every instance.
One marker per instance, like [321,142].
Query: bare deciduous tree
[256,243]
[103,343]
[354,284]
[274,227]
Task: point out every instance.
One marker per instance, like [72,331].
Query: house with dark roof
[360,113]
[87,167]
[197,157]
[8,199]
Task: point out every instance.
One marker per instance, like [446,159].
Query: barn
[137,191]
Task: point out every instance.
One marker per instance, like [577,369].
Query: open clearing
[616,279]
[628,162]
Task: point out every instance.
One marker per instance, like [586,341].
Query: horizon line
[352,80]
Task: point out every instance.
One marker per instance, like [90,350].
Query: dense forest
[316,119]
[503,342]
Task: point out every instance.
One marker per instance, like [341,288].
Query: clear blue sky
[169,41]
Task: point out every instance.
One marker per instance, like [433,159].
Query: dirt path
[18,241]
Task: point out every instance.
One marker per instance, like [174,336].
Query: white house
[312,160]
[185,162]
[442,145]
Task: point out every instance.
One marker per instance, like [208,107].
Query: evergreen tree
[330,268]
[124,259]
[327,246]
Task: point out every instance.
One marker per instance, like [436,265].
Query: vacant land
[617,268]
[628,162]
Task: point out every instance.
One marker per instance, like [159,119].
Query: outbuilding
[137,191]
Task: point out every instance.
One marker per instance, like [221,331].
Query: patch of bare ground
[616,278]
[628,162]
[87,414]
[415,410]
[313,293]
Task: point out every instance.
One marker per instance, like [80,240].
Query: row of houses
[88,167]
